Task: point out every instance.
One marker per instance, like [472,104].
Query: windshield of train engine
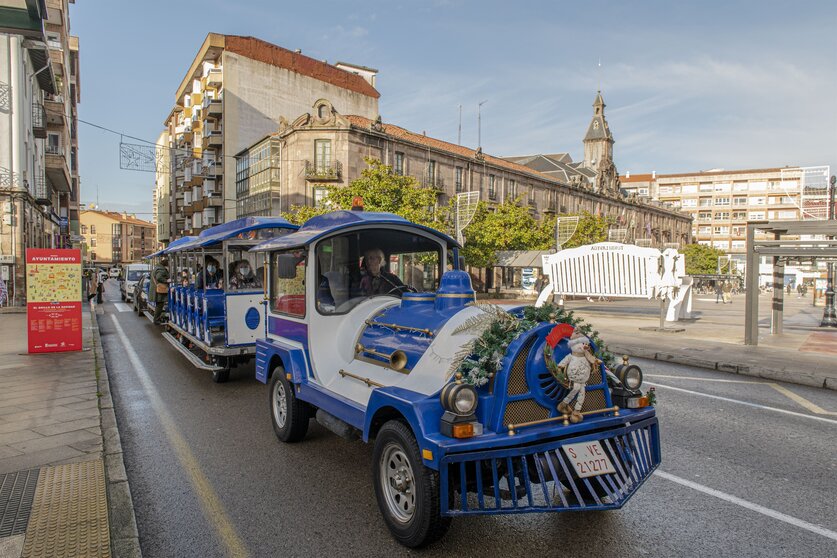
[361,264]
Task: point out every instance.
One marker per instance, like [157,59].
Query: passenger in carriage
[376,279]
[242,276]
[212,278]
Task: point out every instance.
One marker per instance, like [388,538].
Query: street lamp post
[829,314]
[479,123]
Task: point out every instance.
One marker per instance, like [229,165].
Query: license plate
[589,459]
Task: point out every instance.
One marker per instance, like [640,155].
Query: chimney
[628,174]
[298,51]
[653,174]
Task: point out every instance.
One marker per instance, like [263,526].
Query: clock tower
[598,150]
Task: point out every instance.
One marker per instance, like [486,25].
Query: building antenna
[97,196]
[479,123]
[459,134]
[600,73]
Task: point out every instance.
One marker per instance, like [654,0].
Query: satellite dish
[565,228]
[465,206]
[617,235]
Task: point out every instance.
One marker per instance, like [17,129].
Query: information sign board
[53,300]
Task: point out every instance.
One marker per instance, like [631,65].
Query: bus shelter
[813,241]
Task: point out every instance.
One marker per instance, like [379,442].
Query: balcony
[43,191]
[54,108]
[213,168]
[212,107]
[323,172]
[39,120]
[215,77]
[56,168]
[215,138]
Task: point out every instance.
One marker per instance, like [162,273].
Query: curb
[124,536]
[779,375]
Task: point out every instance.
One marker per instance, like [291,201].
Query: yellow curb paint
[213,508]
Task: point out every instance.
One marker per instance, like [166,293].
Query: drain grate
[17,490]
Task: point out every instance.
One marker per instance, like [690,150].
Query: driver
[377,279]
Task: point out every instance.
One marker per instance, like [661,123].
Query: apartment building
[39,92]
[161,205]
[323,147]
[112,238]
[722,201]
[237,90]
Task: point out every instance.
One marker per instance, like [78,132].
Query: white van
[131,273]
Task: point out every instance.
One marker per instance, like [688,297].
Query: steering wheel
[406,288]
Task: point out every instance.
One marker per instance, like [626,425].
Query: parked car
[114,272]
[131,274]
[140,293]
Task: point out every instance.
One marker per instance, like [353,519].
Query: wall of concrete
[256,95]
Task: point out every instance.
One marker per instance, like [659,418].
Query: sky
[688,86]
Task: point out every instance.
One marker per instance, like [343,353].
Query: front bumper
[540,478]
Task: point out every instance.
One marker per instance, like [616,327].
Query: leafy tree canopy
[701,259]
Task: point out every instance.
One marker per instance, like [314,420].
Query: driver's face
[374,263]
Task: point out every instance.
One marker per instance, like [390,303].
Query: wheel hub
[397,481]
[280,405]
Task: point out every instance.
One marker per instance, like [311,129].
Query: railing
[320,171]
[42,191]
[54,150]
[39,120]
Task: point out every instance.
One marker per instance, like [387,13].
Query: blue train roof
[226,231]
[172,246]
[317,227]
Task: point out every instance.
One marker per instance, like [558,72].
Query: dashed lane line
[822,531]
[747,403]
[122,307]
[796,398]
[213,508]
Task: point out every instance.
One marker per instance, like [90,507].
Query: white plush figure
[577,365]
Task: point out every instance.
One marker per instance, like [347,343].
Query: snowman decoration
[577,367]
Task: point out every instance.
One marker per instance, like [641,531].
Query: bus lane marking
[211,503]
[822,531]
[796,398]
[747,403]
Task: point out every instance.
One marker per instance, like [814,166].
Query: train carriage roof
[226,231]
[172,247]
[317,227]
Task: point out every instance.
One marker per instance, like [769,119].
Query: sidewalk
[63,487]
[803,354]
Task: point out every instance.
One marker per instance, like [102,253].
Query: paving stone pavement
[56,410]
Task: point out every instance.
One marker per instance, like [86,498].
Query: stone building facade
[323,147]
[39,176]
[112,238]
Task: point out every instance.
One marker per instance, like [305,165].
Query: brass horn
[397,359]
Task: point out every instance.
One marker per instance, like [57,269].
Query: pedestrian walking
[4,293]
[92,286]
[160,277]
[719,292]
[727,292]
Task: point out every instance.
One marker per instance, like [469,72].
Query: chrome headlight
[459,399]
[630,376]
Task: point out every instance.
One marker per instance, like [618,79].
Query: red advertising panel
[53,295]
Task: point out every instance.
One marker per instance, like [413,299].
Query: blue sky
[734,84]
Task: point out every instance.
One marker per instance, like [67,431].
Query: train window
[287,282]
[245,269]
[356,266]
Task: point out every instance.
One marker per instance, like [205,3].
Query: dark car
[141,293]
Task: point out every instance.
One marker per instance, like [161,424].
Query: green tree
[701,259]
[382,190]
[509,226]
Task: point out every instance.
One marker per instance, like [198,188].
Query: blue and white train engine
[473,409]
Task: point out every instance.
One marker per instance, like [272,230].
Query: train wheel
[289,415]
[407,491]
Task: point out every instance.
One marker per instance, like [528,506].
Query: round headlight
[631,377]
[460,399]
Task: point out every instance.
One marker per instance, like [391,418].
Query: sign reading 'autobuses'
[53,300]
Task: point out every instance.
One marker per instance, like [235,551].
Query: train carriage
[374,331]
[216,296]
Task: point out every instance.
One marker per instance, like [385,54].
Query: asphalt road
[209,478]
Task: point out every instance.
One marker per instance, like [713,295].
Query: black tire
[290,419]
[397,459]
[219,376]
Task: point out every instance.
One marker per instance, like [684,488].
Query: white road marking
[122,307]
[757,406]
[822,531]
[213,508]
[693,378]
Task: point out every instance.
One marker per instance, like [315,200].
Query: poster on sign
[53,295]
